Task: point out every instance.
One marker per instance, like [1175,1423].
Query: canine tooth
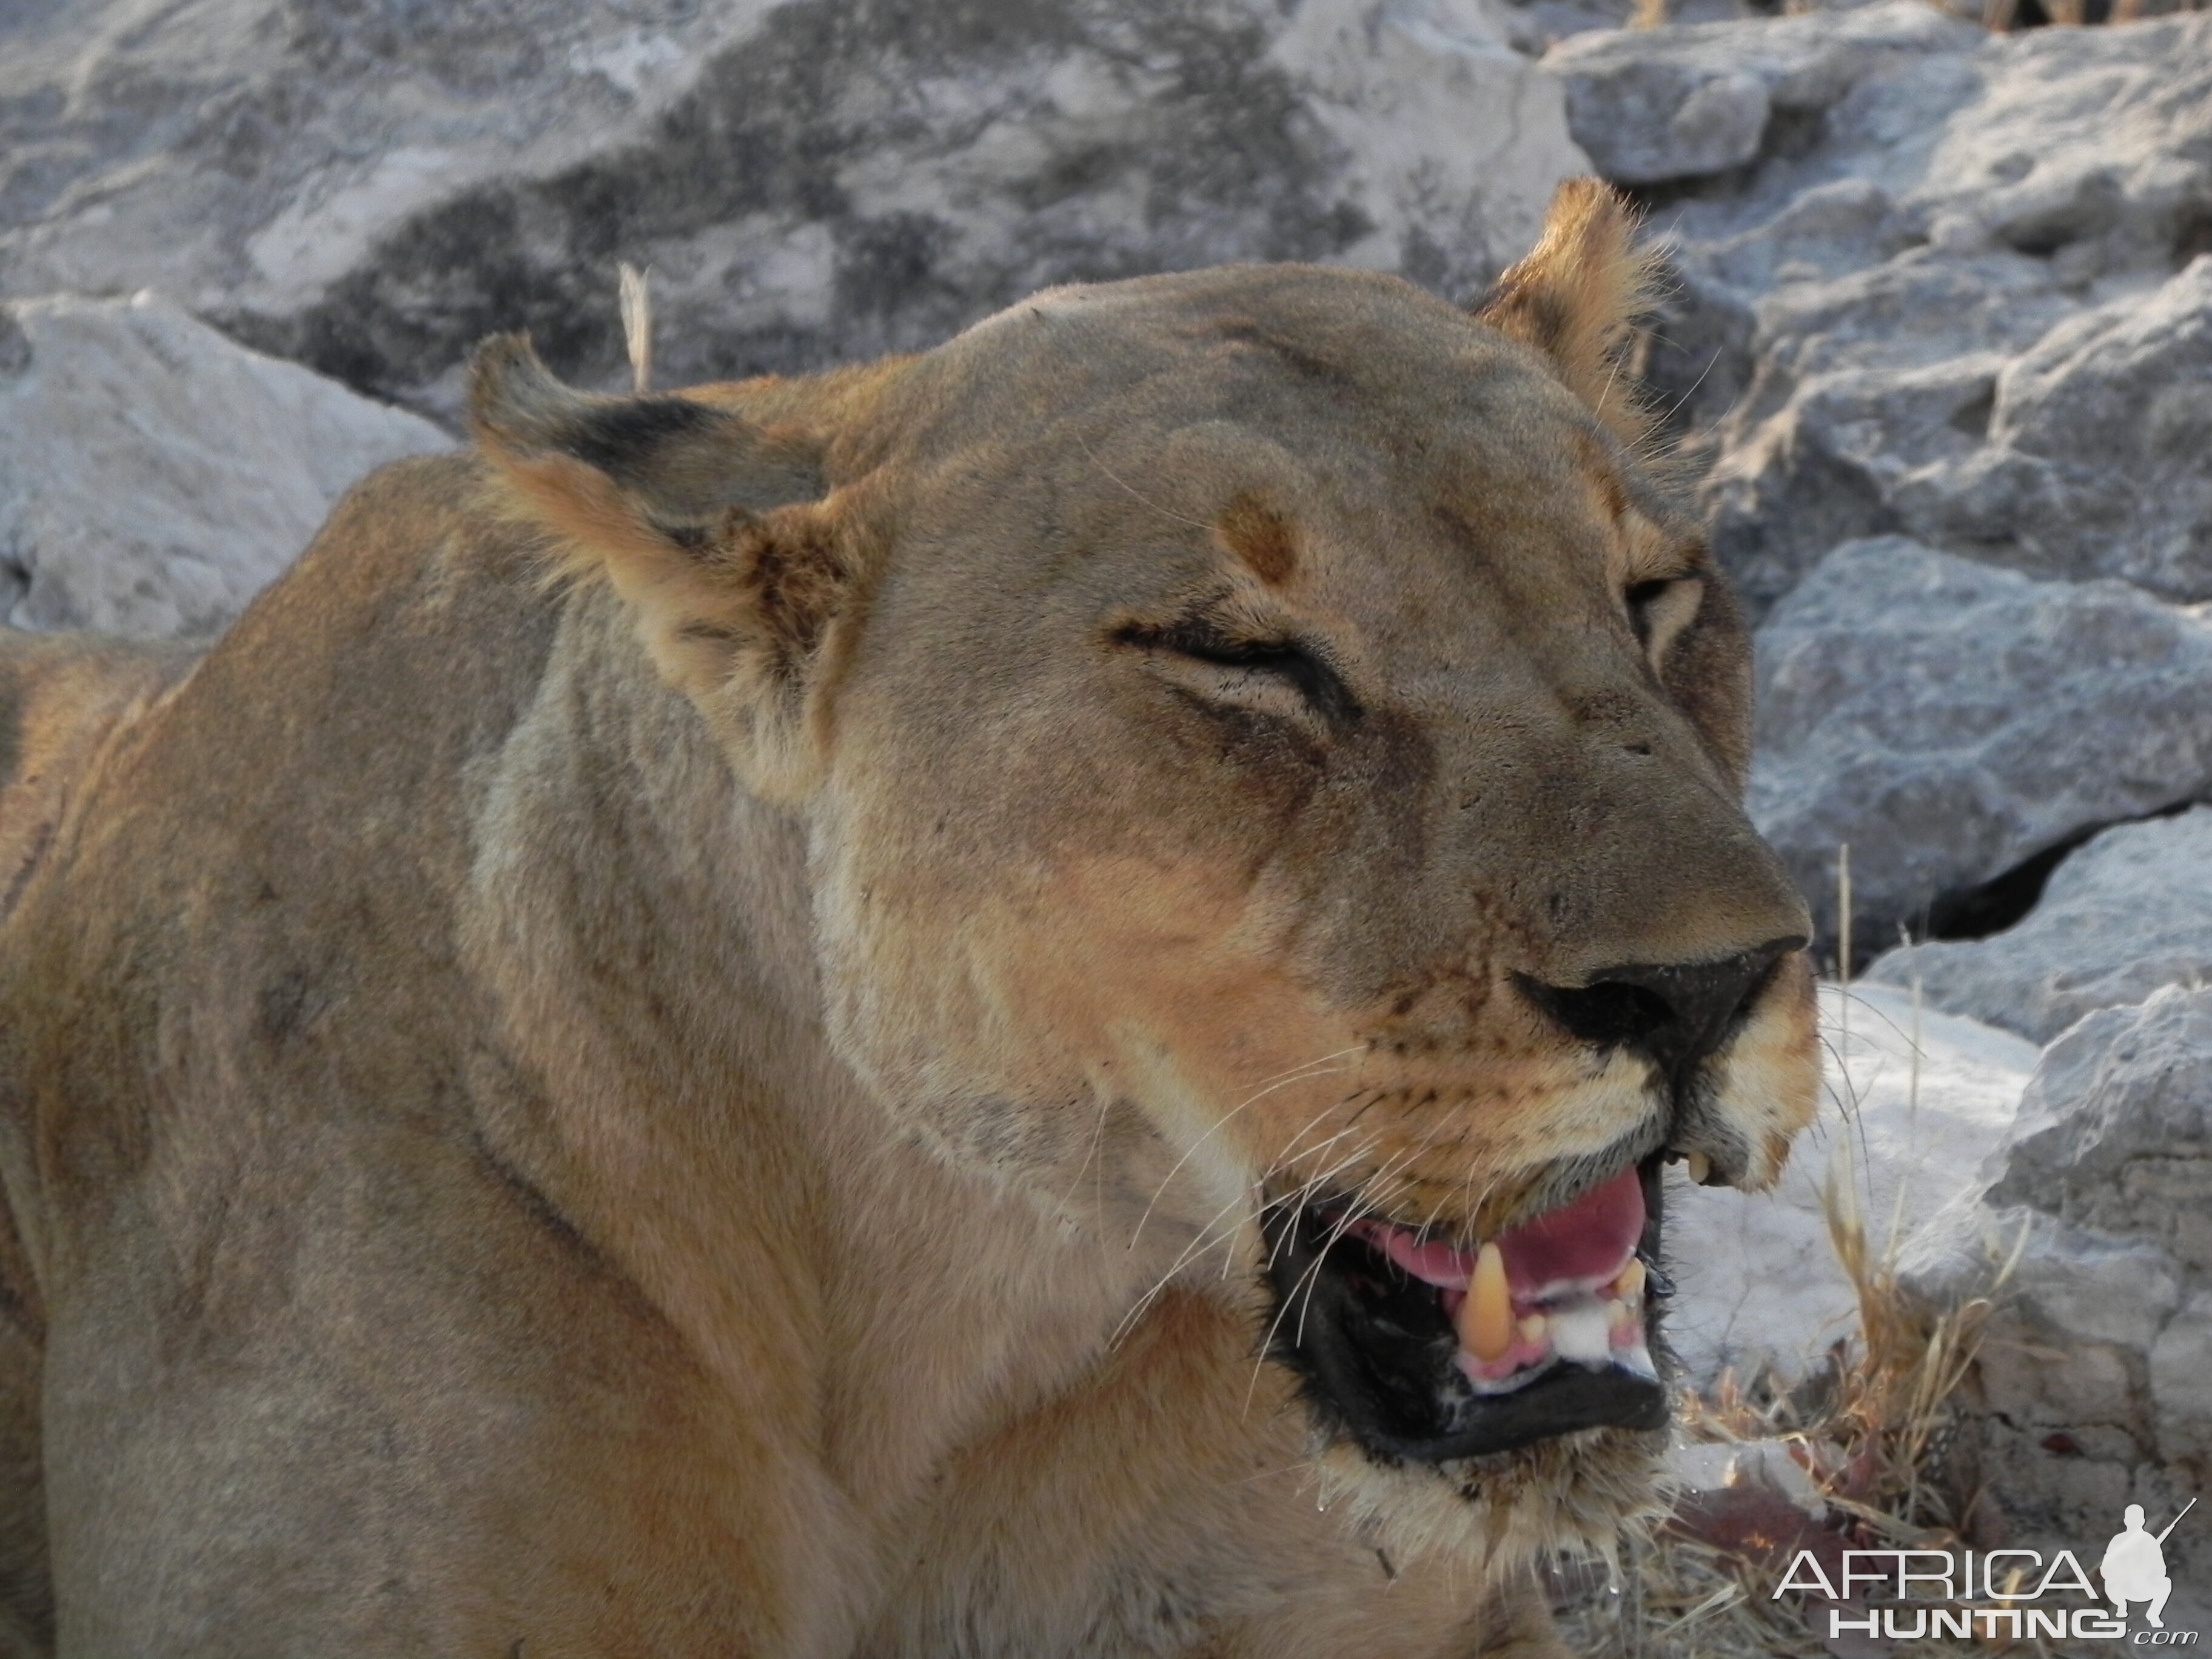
[1485,1318]
[1533,1329]
[1619,1315]
[1701,1166]
[1629,1286]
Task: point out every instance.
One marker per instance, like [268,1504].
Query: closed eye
[1660,608]
[1284,663]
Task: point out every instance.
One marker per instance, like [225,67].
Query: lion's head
[1268,715]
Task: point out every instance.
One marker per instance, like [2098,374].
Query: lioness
[1032,1007]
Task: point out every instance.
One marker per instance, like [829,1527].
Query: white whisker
[1302,1290]
[1304,1073]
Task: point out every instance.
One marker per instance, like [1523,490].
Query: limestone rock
[2115,1133]
[1948,719]
[155,475]
[369,186]
[1949,287]
[2096,459]
[2126,914]
[1678,102]
[2097,1369]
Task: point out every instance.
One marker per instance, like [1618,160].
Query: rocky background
[1937,354]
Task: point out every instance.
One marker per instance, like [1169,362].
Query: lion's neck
[645,925]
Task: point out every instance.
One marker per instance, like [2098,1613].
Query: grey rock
[369,186]
[1680,102]
[2095,1289]
[2115,1128]
[2096,1369]
[1947,719]
[2181,1381]
[2094,136]
[1951,294]
[2096,457]
[1535,27]
[2129,912]
[155,475]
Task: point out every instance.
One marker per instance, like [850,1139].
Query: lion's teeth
[1533,1327]
[1581,1331]
[1485,1318]
[1619,1315]
[1636,1359]
[1629,1287]
[1699,1167]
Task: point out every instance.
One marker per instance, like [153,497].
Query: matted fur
[717,1104]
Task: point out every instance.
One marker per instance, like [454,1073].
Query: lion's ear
[1577,296]
[711,528]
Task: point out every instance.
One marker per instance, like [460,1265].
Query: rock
[369,186]
[155,475]
[2096,1369]
[1759,1280]
[2181,1382]
[1674,103]
[1949,288]
[1947,719]
[2126,914]
[2115,1133]
[2096,459]
[1535,27]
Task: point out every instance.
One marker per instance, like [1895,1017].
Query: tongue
[1591,1238]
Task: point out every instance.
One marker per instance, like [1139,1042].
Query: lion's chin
[1577,1495]
[1532,1434]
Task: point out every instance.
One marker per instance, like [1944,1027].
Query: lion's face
[1268,708]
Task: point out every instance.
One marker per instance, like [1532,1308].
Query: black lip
[1375,1352]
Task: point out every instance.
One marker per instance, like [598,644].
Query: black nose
[1674,1016]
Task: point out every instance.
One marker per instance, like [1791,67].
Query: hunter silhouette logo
[2134,1567]
[2009,1594]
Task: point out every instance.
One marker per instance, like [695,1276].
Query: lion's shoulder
[61,699]
[336,718]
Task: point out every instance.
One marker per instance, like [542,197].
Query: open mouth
[1424,1351]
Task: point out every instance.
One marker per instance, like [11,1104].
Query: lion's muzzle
[1429,1348]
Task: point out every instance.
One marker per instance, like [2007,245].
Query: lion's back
[254,832]
[62,700]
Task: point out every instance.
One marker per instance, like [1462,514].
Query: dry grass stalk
[636,294]
[1647,14]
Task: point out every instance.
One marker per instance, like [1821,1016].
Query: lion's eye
[1248,670]
[1660,608]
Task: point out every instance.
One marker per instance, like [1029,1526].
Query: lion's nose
[1673,1014]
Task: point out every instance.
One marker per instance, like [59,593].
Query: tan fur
[719,1104]
[1576,298]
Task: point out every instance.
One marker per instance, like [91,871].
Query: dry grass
[1875,1425]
